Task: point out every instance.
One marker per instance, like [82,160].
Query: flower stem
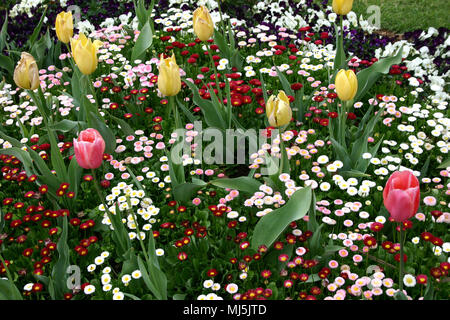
[176,115]
[401,258]
[99,192]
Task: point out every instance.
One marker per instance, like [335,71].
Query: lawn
[404,15]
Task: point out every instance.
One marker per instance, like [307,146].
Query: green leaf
[313,278]
[285,83]
[314,243]
[143,42]
[312,221]
[270,226]
[179,296]
[186,111]
[59,271]
[37,30]
[7,63]
[23,156]
[331,249]
[124,126]
[74,172]
[129,295]
[135,180]
[153,287]
[67,125]
[176,171]
[8,291]
[299,104]
[2,220]
[105,131]
[211,113]
[4,33]
[56,158]
[222,43]
[244,184]
[444,164]
[120,234]
[341,153]
[184,192]
[340,59]
[400,296]
[368,77]
[429,291]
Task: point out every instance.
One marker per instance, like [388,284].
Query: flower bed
[306,214]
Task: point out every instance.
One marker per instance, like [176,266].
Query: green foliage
[270,226]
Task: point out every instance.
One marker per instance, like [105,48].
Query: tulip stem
[402,232]
[341,123]
[174,109]
[99,192]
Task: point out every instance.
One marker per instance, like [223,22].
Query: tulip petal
[399,205]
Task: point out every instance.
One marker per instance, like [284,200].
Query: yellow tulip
[278,110]
[169,81]
[84,52]
[203,24]
[26,74]
[346,84]
[64,26]
[342,7]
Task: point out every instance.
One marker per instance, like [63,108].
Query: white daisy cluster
[126,198]
[214,286]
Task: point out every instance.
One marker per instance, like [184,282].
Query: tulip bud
[169,81]
[84,52]
[64,26]
[346,84]
[278,110]
[89,149]
[203,24]
[401,195]
[26,74]
[342,7]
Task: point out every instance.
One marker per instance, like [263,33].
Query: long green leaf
[186,111]
[143,42]
[213,117]
[59,272]
[285,83]
[368,77]
[7,63]
[244,184]
[270,226]
[184,192]
[107,134]
[4,33]
[37,30]
[340,59]
[8,291]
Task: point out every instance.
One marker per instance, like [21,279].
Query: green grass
[400,16]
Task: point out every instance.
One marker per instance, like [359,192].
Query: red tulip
[401,195]
[89,149]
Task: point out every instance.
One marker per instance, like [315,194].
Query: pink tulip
[89,149]
[401,195]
